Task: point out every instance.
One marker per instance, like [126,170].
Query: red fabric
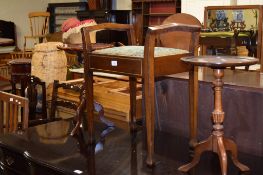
[74,22]
[87,21]
[70,23]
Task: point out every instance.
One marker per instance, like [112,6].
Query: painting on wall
[238,16]
[220,15]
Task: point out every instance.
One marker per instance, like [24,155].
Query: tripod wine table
[217,142]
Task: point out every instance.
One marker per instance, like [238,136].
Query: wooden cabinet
[150,13]
[59,12]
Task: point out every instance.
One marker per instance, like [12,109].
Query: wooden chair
[20,67]
[38,26]
[56,101]
[5,69]
[78,106]
[146,62]
[182,38]
[182,41]
[11,113]
[34,90]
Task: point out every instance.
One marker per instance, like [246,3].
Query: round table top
[220,61]
[79,47]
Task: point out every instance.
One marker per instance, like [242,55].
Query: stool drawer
[116,64]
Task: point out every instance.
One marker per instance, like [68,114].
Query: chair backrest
[56,101]
[34,90]
[13,109]
[39,23]
[179,39]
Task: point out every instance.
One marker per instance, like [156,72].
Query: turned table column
[217,142]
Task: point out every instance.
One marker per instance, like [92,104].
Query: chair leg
[149,116]
[133,89]
[89,105]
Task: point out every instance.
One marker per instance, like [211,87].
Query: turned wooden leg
[149,100]
[231,146]
[89,105]
[222,155]
[199,149]
[193,105]
[216,142]
[149,115]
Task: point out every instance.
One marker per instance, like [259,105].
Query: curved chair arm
[107,26]
[153,32]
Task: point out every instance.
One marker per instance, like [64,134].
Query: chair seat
[138,51]
[128,60]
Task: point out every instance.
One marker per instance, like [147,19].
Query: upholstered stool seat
[138,51]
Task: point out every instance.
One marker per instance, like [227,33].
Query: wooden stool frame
[147,68]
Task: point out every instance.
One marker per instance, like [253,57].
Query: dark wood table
[20,68]
[49,149]
[217,142]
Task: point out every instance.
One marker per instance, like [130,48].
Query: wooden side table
[20,68]
[217,142]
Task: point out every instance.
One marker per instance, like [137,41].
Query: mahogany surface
[40,151]
[220,61]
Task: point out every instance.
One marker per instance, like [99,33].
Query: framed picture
[238,16]
[220,15]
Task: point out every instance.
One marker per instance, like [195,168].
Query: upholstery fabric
[138,51]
